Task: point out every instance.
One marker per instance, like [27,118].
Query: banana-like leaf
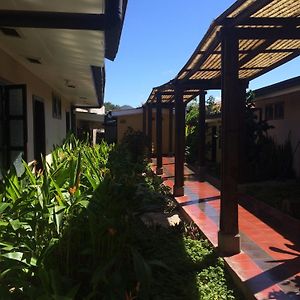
[59,214]
[4,206]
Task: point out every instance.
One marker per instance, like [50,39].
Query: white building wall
[290,124]
[11,72]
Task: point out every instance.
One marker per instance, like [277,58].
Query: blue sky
[158,38]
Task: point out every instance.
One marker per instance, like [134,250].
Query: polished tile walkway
[269,265]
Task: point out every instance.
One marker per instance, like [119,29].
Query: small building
[90,122]
[133,118]
[279,104]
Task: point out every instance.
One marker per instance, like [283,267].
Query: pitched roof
[282,87]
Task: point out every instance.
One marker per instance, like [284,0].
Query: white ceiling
[64,54]
[80,6]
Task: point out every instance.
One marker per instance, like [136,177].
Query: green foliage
[135,142]
[67,231]
[192,126]
[72,230]
[283,195]
[37,209]
[212,283]
[213,107]
[264,157]
[110,106]
[192,132]
[191,269]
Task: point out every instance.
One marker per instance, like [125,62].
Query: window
[269,112]
[279,110]
[56,106]
[274,111]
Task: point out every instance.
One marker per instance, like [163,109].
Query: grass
[283,195]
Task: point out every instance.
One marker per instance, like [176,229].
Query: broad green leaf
[59,214]
[4,206]
[29,173]
[13,255]
[15,224]
[6,246]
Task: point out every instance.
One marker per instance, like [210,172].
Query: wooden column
[171,130]
[149,133]
[178,189]
[202,136]
[229,238]
[144,120]
[242,130]
[159,167]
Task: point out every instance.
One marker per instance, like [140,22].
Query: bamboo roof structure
[269,36]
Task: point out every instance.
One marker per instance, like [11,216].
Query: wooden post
[144,120]
[159,167]
[171,130]
[242,130]
[149,129]
[202,136]
[229,238]
[178,189]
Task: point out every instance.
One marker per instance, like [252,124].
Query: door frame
[41,100]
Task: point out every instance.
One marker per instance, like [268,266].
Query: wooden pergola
[249,39]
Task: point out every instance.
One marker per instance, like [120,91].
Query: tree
[110,106]
[212,106]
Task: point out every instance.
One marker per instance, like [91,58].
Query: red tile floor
[268,266]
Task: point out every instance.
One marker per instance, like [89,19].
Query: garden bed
[73,231]
[282,195]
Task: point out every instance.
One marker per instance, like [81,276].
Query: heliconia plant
[67,231]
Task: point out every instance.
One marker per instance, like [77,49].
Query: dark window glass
[269,112]
[279,110]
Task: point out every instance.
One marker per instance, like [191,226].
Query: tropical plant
[192,126]
[67,231]
[265,159]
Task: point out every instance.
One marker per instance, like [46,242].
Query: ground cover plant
[193,271]
[283,195]
[73,231]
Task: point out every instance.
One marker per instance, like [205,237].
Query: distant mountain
[126,107]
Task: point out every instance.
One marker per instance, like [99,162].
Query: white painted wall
[290,123]
[14,73]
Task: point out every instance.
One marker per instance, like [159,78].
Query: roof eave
[115,13]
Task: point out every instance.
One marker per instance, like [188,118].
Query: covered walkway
[248,40]
[268,266]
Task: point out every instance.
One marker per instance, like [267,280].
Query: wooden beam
[229,239]
[178,189]
[244,14]
[201,84]
[265,51]
[268,33]
[202,135]
[159,167]
[283,22]
[167,105]
[55,20]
